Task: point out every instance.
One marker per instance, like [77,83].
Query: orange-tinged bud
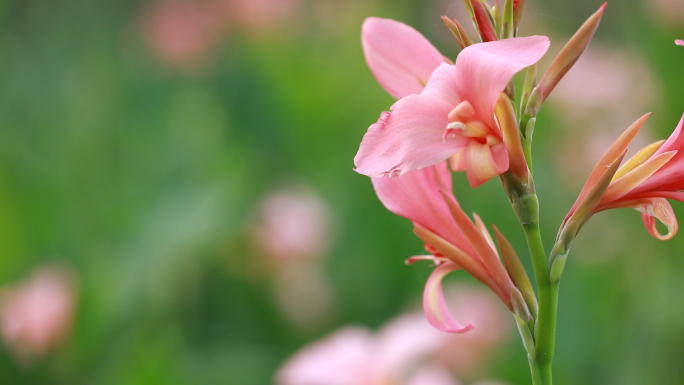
[457,30]
[564,61]
[505,114]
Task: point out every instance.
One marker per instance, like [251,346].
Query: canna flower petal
[434,305]
[455,110]
[416,197]
[622,186]
[409,137]
[652,209]
[662,210]
[614,152]
[400,58]
[639,158]
[645,182]
[670,177]
[468,262]
[484,70]
[484,162]
[483,244]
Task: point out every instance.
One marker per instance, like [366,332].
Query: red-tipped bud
[483,23]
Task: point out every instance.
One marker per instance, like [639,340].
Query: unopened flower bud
[564,61]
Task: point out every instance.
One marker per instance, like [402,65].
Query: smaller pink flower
[37,314]
[179,32]
[406,350]
[453,116]
[424,196]
[645,182]
[294,223]
[259,16]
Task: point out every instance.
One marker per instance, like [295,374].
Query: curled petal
[660,209]
[434,305]
[400,58]
[652,209]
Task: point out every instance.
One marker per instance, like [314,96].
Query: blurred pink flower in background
[406,350]
[605,78]
[292,231]
[259,16]
[294,223]
[181,33]
[669,11]
[36,314]
[468,353]
[599,90]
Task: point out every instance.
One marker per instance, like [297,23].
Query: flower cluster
[461,115]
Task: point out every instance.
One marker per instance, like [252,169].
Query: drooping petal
[435,307]
[416,196]
[411,136]
[400,58]
[483,70]
[652,209]
[661,209]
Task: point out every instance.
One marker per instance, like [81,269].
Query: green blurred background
[139,139]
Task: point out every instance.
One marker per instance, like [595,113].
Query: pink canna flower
[453,116]
[644,183]
[405,350]
[424,196]
[400,58]
[37,314]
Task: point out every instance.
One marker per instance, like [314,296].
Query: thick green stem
[526,206]
[545,328]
